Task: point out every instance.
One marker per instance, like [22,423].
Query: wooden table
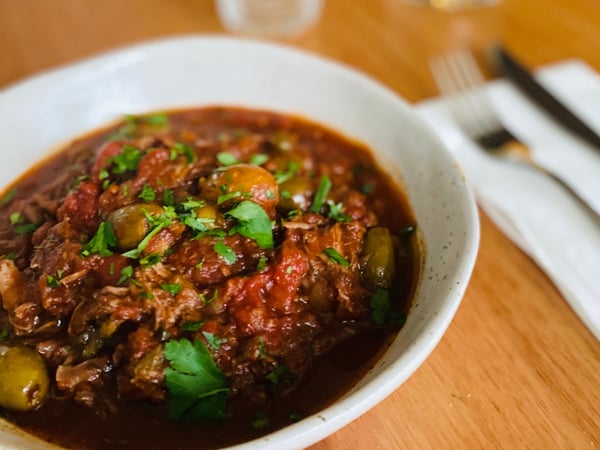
[516,369]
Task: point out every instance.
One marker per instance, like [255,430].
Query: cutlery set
[461,82]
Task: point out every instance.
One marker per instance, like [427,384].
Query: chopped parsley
[126,274]
[15,218]
[321,194]
[54,280]
[261,421]
[336,256]
[227,159]
[335,212]
[258,159]
[278,373]
[197,388]
[262,264]
[214,341]
[168,197]
[192,325]
[226,252]
[102,242]
[172,288]
[125,161]
[381,310]
[182,149]
[147,193]
[8,197]
[253,223]
[288,174]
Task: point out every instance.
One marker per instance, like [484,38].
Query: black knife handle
[510,67]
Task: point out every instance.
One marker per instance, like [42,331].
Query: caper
[131,223]
[378,260]
[23,378]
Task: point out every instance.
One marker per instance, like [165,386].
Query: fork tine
[459,78]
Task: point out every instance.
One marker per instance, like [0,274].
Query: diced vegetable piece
[379,261]
[130,223]
[23,378]
[241,182]
[295,194]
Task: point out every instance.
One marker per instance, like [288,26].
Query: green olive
[241,182]
[379,261]
[131,224]
[295,193]
[23,378]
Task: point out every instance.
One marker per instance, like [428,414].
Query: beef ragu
[197,278]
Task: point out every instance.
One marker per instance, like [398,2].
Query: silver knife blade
[515,71]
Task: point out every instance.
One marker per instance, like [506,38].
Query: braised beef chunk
[203,266]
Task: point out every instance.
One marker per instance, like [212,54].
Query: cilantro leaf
[182,149]
[126,273]
[127,160]
[258,159]
[102,241]
[253,223]
[214,341]
[226,252]
[192,326]
[147,193]
[197,388]
[227,159]
[172,288]
[282,177]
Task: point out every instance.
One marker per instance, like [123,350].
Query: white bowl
[47,110]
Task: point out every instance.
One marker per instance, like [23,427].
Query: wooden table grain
[517,368]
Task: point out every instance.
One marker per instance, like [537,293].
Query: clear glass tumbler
[268,18]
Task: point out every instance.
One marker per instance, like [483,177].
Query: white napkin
[530,208]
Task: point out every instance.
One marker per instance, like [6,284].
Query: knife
[510,67]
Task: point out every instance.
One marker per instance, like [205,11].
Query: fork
[459,79]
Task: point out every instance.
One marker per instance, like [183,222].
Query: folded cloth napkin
[530,208]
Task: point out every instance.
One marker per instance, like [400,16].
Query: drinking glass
[268,18]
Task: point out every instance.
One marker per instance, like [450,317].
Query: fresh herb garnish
[278,373]
[381,310]
[52,281]
[335,212]
[336,257]
[168,197]
[3,334]
[197,388]
[102,242]
[225,251]
[227,159]
[147,193]
[192,325]
[172,288]
[321,194]
[127,160]
[259,159]
[16,219]
[261,421]
[182,149]
[288,174]
[126,273]
[253,223]
[8,197]
[262,264]
[214,341]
